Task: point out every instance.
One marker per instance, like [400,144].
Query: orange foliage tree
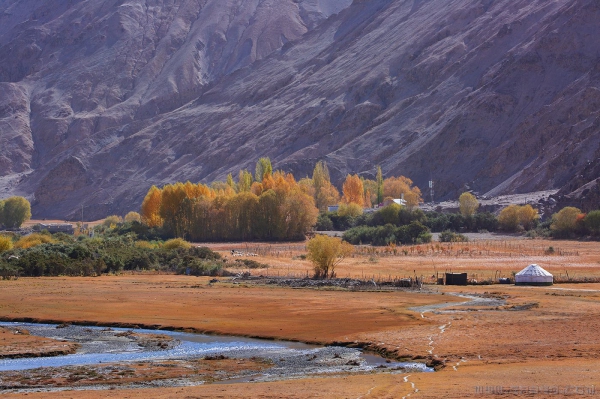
[151,208]
[353,190]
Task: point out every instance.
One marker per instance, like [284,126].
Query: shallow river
[104,345]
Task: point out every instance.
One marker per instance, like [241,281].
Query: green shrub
[324,223]
[592,222]
[412,233]
[450,236]
[251,264]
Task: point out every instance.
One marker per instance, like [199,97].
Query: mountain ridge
[494,96]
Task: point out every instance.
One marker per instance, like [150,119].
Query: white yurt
[534,275]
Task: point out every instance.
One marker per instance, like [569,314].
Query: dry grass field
[482,259]
[528,341]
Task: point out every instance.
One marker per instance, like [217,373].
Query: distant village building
[66,228]
[399,201]
[333,208]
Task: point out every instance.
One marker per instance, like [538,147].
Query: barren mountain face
[101,99]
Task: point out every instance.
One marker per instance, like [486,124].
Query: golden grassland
[482,259]
[540,338]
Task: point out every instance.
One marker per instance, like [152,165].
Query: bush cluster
[450,236]
[94,256]
[399,216]
[413,233]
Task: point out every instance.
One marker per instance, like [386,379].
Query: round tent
[534,275]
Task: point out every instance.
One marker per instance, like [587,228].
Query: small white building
[534,275]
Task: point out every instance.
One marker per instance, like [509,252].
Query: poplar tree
[379,185]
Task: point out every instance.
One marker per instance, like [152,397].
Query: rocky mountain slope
[101,99]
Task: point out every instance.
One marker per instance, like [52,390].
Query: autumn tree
[263,167]
[468,204]
[325,193]
[326,253]
[352,209]
[231,183]
[6,244]
[353,190]
[564,222]
[306,185]
[133,217]
[528,216]
[151,207]
[275,209]
[112,221]
[244,181]
[299,214]
[508,219]
[370,189]
[170,208]
[15,211]
[395,187]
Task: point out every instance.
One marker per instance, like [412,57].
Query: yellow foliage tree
[33,240]
[565,220]
[468,204]
[112,220]
[528,216]
[325,193]
[244,181]
[350,209]
[508,219]
[353,190]
[6,244]
[515,217]
[133,217]
[326,253]
[176,243]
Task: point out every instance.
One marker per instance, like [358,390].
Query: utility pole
[431,188]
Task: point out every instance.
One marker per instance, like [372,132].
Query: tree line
[269,205]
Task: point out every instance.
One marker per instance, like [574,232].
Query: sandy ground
[527,341]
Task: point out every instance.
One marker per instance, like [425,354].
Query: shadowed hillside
[100,99]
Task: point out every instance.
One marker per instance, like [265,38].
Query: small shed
[456,278]
[534,275]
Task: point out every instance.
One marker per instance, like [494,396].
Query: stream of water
[102,345]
